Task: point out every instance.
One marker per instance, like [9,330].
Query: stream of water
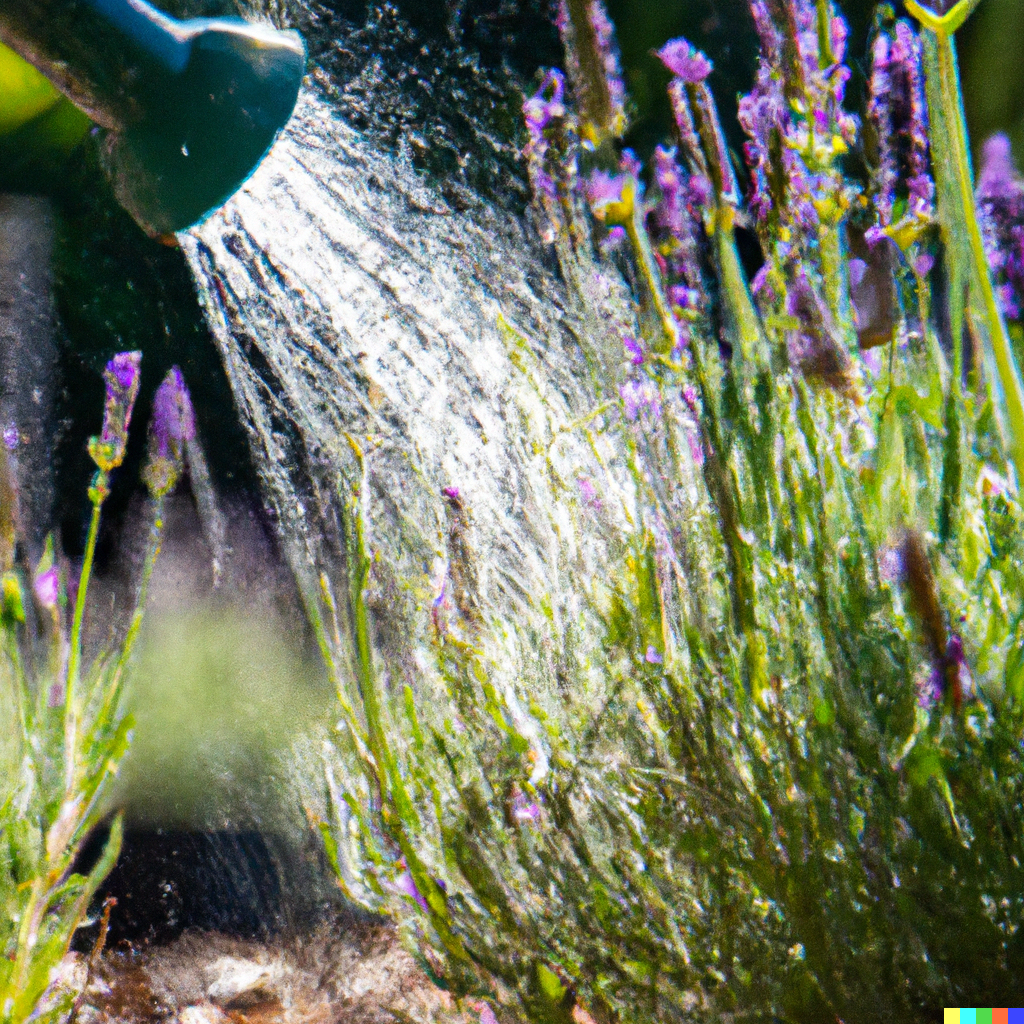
[351,301]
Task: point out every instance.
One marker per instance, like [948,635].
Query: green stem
[744,323]
[960,219]
[75,653]
[651,275]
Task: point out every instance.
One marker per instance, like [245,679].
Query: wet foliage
[769,763]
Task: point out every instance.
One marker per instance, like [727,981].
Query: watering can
[188,109]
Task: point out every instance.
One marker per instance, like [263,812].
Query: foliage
[69,729]
[786,783]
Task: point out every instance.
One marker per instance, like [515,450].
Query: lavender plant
[784,782]
[69,727]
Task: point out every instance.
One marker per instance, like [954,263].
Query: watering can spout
[188,108]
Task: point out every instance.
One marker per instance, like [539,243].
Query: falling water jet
[350,300]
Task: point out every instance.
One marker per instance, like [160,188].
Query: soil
[358,975]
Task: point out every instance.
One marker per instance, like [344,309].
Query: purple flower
[681,245]
[652,657]
[814,345]
[546,103]
[486,1013]
[588,492]
[891,567]
[121,378]
[611,196]
[171,427]
[998,178]
[629,164]
[929,689]
[451,492]
[699,192]
[1000,196]
[950,676]
[702,142]
[11,437]
[614,240]
[46,587]
[669,212]
[640,400]
[405,885]
[685,61]
[634,351]
[524,810]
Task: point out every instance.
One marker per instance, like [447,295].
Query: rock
[236,984]
[204,1013]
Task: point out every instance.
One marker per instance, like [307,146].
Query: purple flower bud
[588,492]
[405,885]
[634,351]
[121,378]
[629,164]
[171,427]
[797,132]
[640,400]
[46,587]
[699,192]
[611,197]
[929,689]
[546,103]
[1000,196]
[955,671]
[685,61]
[814,345]
[524,810]
[923,264]
[486,1013]
[998,178]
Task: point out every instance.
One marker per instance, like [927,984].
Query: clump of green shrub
[785,782]
[69,728]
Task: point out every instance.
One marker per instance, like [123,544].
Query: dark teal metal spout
[188,108]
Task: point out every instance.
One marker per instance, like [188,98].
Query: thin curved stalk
[75,654]
[959,217]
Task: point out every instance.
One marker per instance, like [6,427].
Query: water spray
[188,108]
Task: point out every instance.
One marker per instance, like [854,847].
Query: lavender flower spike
[899,114]
[121,378]
[1000,197]
[545,106]
[171,427]
[593,63]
